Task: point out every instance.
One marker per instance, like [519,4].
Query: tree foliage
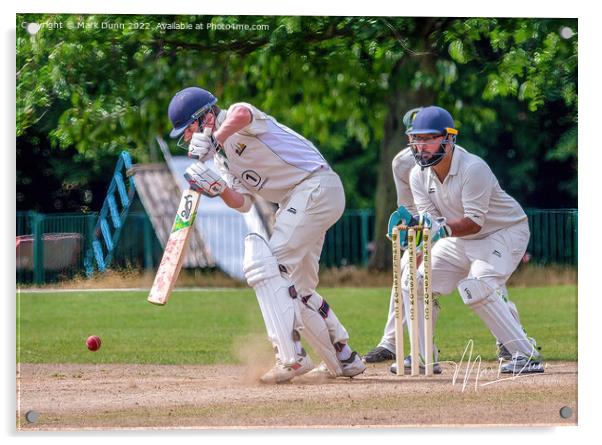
[343,82]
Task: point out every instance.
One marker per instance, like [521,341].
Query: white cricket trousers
[302,220]
[491,259]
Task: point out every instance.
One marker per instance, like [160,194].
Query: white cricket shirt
[469,190]
[266,157]
[402,164]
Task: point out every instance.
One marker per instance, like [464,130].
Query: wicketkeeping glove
[404,217]
[438,226]
[204,180]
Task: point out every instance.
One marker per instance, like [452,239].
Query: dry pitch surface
[151,396]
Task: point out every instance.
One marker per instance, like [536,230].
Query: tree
[344,82]
[534,61]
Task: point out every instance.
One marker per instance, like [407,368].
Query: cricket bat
[173,256]
[175,248]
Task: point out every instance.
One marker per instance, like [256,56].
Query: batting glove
[202,146]
[204,180]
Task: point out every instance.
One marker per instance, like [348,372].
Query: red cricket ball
[93,342]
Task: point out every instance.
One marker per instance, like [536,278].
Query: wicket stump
[413,321]
[428,302]
[399,352]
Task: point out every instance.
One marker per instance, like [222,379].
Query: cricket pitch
[101,397]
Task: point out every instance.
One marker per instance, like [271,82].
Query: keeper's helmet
[434,121]
[409,117]
[187,106]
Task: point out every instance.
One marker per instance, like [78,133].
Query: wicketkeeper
[403,164]
[257,155]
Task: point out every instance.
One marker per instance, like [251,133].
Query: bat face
[171,263]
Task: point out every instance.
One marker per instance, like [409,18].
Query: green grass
[210,326]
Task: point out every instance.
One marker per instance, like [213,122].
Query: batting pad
[503,294]
[316,333]
[496,314]
[273,294]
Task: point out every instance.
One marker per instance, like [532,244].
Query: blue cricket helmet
[187,106]
[435,121]
[409,117]
[432,120]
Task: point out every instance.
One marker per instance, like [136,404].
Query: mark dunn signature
[472,368]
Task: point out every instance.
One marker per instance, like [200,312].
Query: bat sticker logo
[187,207]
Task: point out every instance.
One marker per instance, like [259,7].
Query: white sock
[344,353]
[298,347]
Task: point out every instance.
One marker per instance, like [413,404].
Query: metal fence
[553,236]
[138,246]
[349,240]
[51,247]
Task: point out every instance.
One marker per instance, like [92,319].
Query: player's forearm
[463,227]
[232,199]
[236,201]
[237,119]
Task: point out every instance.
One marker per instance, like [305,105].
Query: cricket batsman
[480,234]
[257,155]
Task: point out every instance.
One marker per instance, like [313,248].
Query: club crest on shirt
[240,147]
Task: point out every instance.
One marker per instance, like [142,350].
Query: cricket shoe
[321,372]
[349,368]
[283,373]
[353,365]
[504,354]
[522,365]
[379,354]
[407,364]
